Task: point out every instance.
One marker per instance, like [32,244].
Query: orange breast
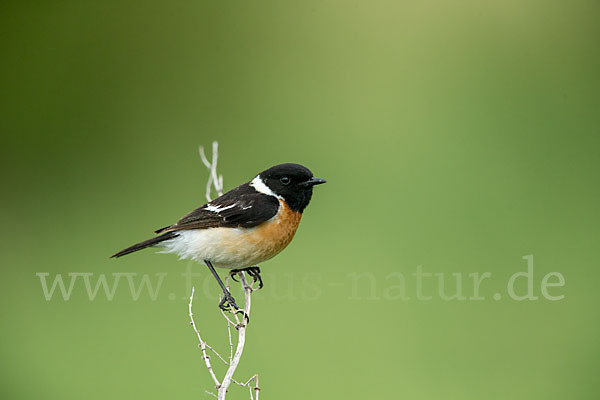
[273,236]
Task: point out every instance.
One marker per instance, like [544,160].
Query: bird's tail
[144,244]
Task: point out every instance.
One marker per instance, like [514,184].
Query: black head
[293,182]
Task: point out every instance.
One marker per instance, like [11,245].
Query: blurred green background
[457,136]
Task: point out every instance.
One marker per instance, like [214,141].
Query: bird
[241,228]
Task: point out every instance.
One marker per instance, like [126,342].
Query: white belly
[223,247]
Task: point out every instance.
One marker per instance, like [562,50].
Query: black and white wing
[240,207]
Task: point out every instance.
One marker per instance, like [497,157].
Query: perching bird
[246,226]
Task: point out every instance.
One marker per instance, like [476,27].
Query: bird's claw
[253,272]
[233,274]
[228,302]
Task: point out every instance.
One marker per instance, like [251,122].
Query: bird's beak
[313,181]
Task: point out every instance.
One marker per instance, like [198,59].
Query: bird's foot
[228,303]
[253,272]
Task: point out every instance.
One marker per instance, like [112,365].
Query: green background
[455,135]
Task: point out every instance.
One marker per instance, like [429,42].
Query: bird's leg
[227,299]
[254,272]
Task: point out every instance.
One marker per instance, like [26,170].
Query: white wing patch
[260,187]
[217,209]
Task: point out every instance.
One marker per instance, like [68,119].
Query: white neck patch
[260,187]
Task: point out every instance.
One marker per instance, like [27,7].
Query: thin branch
[214,179]
[229,323]
[202,344]
[208,165]
[241,328]
[250,388]
[230,342]
[217,354]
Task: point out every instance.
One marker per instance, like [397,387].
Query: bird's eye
[285,180]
